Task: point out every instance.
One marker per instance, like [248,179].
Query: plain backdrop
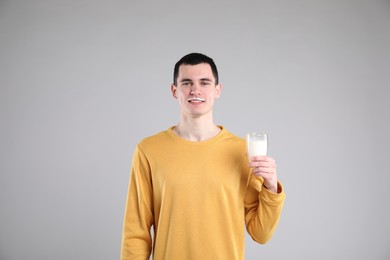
[82,82]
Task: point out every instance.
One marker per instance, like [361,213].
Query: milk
[256,144]
[257,147]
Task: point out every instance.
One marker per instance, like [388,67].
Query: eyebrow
[206,79]
[185,80]
[190,80]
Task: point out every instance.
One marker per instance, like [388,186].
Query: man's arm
[263,200]
[136,237]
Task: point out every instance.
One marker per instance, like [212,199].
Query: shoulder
[232,138]
[158,141]
[153,139]
[230,135]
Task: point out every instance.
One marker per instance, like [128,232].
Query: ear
[218,90]
[173,90]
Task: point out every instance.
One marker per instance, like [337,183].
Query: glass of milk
[256,144]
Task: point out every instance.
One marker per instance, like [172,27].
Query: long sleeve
[138,219]
[262,209]
[192,194]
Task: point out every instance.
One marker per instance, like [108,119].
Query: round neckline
[179,139]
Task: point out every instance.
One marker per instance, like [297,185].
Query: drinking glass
[256,143]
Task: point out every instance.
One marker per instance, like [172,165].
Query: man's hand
[265,167]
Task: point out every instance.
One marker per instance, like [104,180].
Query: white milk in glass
[256,144]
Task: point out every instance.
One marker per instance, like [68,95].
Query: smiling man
[196,89]
[192,183]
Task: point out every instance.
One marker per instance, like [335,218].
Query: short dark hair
[195,59]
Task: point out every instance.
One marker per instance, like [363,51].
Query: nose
[195,90]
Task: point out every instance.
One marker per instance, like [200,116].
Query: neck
[196,129]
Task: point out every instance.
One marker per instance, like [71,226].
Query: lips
[196,100]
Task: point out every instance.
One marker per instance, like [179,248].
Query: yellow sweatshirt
[197,196]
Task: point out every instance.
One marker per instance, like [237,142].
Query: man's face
[196,89]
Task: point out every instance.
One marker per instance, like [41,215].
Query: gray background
[83,81]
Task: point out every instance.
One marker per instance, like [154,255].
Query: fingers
[262,161]
[265,172]
[264,166]
[263,158]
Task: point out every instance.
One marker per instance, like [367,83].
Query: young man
[193,184]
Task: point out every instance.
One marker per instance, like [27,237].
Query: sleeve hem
[270,196]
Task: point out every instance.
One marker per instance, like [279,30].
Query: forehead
[198,71]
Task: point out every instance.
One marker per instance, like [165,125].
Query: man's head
[196,85]
[195,59]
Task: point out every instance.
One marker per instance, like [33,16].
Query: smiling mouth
[196,100]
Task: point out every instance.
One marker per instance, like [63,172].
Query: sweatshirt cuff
[270,196]
[257,182]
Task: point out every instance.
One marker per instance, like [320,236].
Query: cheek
[183,92]
[214,94]
[182,98]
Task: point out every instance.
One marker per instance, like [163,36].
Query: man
[193,184]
